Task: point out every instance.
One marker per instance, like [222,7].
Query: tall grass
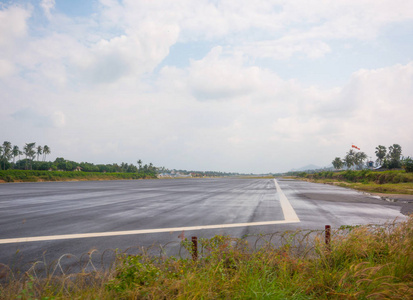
[395,176]
[364,262]
[390,182]
[34,176]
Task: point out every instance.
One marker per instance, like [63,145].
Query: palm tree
[359,158]
[394,155]
[7,153]
[140,164]
[337,163]
[395,152]
[46,151]
[349,159]
[39,151]
[381,154]
[15,152]
[29,152]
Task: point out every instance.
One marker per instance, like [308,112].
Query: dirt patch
[398,197]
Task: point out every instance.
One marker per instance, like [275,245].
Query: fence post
[194,248]
[328,236]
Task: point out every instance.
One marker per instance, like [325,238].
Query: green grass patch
[389,188]
[390,182]
[362,262]
[35,176]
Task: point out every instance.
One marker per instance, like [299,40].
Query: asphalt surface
[68,208]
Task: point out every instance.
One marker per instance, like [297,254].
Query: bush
[407,164]
[349,175]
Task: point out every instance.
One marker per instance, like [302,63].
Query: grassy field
[387,182]
[35,176]
[364,262]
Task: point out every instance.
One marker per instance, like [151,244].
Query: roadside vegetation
[34,167]
[391,159]
[391,173]
[36,176]
[388,182]
[361,262]
[30,164]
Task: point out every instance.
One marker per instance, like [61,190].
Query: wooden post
[328,236]
[194,248]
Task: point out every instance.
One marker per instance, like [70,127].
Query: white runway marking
[289,215]
[288,210]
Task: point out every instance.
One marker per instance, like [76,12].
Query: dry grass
[365,262]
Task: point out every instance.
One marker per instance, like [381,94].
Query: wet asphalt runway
[60,208]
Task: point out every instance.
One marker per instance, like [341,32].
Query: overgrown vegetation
[29,169]
[361,262]
[393,182]
[388,160]
[34,176]
[365,176]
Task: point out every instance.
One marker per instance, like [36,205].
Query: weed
[362,262]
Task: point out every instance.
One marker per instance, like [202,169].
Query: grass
[389,188]
[35,176]
[387,182]
[362,262]
[256,177]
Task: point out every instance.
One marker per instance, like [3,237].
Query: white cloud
[6,68]
[47,5]
[222,78]
[37,119]
[58,119]
[384,100]
[13,25]
[284,48]
[96,83]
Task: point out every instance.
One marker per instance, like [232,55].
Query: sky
[242,86]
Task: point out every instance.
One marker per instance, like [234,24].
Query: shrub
[349,175]
[407,164]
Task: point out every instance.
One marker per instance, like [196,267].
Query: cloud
[6,68]
[214,77]
[284,48]
[47,5]
[13,25]
[221,75]
[103,82]
[34,118]
[384,101]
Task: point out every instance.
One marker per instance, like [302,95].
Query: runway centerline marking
[289,217]
[288,210]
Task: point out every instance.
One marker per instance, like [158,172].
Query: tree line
[30,151]
[390,158]
[35,159]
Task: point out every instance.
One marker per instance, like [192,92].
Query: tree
[140,164]
[381,152]
[394,156]
[39,151]
[7,153]
[349,159]
[359,158]
[337,163]
[16,152]
[46,151]
[407,164]
[29,152]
